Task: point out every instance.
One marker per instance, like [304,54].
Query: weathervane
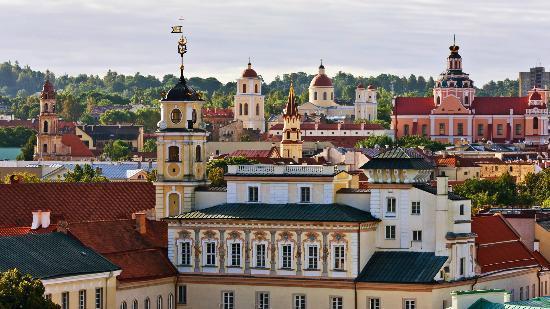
[182,46]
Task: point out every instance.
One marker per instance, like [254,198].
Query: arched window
[315,95]
[46,127]
[257,109]
[198,153]
[147,303]
[287,134]
[324,95]
[244,88]
[135,304]
[466,100]
[45,148]
[256,88]
[535,123]
[332,95]
[159,302]
[173,204]
[123,305]
[194,115]
[45,107]
[438,100]
[246,108]
[240,108]
[175,115]
[173,154]
[406,129]
[170,301]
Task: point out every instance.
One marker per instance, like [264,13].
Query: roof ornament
[182,46]
[321,66]
[454,48]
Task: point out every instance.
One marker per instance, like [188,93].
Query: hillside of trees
[77,95]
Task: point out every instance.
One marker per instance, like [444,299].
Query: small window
[170,301]
[198,153]
[518,129]
[460,128]
[424,129]
[480,129]
[500,129]
[173,154]
[374,303]
[147,303]
[228,300]
[461,209]
[438,100]
[339,257]
[262,300]
[135,304]
[521,293]
[415,208]
[65,300]
[417,235]
[324,95]
[287,134]
[82,299]
[299,302]
[336,302]
[312,257]
[240,108]
[99,298]
[159,302]
[315,95]
[261,253]
[246,108]
[173,204]
[244,88]
[182,294]
[332,95]
[123,305]
[256,88]
[286,256]
[46,127]
[391,207]
[186,253]
[210,253]
[409,304]
[390,232]
[535,123]
[305,194]
[462,266]
[406,129]
[257,109]
[235,254]
[252,194]
[175,116]
[45,148]
[441,129]
[466,100]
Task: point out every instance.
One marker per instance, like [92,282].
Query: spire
[291,109]
[182,49]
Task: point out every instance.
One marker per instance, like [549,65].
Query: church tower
[321,90]
[249,101]
[291,144]
[48,140]
[366,105]
[181,162]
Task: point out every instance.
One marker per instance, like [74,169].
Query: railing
[268,169]
[537,111]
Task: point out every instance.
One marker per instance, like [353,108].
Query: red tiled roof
[413,106]
[456,161]
[541,259]
[321,80]
[535,96]
[253,153]
[73,202]
[217,112]
[30,124]
[332,126]
[143,265]
[491,229]
[250,73]
[78,149]
[500,105]
[15,231]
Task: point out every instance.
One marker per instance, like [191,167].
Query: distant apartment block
[536,77]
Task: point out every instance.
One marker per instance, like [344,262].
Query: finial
[182,47]
[454,39]
[249,60]
[321,61]
[47,74]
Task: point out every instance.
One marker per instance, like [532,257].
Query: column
[273,252]
[222,251]
[325,254]
[247,251]
[197,249]
[432,125]
[299,252]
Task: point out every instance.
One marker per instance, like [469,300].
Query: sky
[497,38]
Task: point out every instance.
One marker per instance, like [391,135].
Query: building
[494,299]
[95,137]
[249,101]
[216,118]
[72,274]
[366,106]
[51,143]
[537,77]
[291,143]
[456,115]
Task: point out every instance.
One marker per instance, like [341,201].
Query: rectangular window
[186,253]
[460,128]
[182,294]
[518,129]
[521,293]
[512,295]
[526,292]
[390,231]
[409,304]
[210,253]
[305,194]
[312,257]
[441,129]
[415,208]
[65,300]
[236,254]
[299,302]
[99,298]
[82,299]
[406,129]
[286,256]
[461,210]
[339,257]
[391,206]
[417,235]
[336,302]
[499,129]
[462,266]
[253,194]
[374,303]
[424,130]
[262,300]
[480,129]
[260,255]
[534,292]
[228,300]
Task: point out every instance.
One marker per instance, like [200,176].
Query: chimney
[45,220]
[141,222]
[36,219]
[442,185]
[536,245]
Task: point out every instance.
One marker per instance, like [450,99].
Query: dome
[249,72]
[535,96]
[371,87]
[321,80]
[48,91]
[181,92]
[360,86]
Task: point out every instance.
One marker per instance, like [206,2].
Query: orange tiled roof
[78,149]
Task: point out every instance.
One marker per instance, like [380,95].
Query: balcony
[287,170]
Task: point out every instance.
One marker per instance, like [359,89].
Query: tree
[27,151]
[22,291]
[70,110]
[84,174]
[150,145]
[215,175]
[148,118]
[536,187]
[15,137]
[117,150]
[115,116]
[216,168]
[413,141]
[23,177]
[372,141]
[87,119]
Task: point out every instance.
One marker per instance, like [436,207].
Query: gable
[451,105]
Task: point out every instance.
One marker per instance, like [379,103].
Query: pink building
[454,114]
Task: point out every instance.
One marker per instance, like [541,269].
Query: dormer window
[175,116]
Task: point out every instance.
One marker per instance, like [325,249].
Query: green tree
[27,151]
[413,141]
[150,145]
[536,187]
[372,141]
[71,110]
[15,137]
[215,176]
[148,118]
[216,168]
[23,177]
[115,116]
[84,174]
[117,150]
[22,291]
[87,119]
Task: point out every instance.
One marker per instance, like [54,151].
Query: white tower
[366,105]
[321,90]
[249,101]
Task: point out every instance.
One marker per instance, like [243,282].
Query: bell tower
[181,162]
[291,144]
[249,101]
[48,139]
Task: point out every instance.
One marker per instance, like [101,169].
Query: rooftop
[399,158]
[282,170]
